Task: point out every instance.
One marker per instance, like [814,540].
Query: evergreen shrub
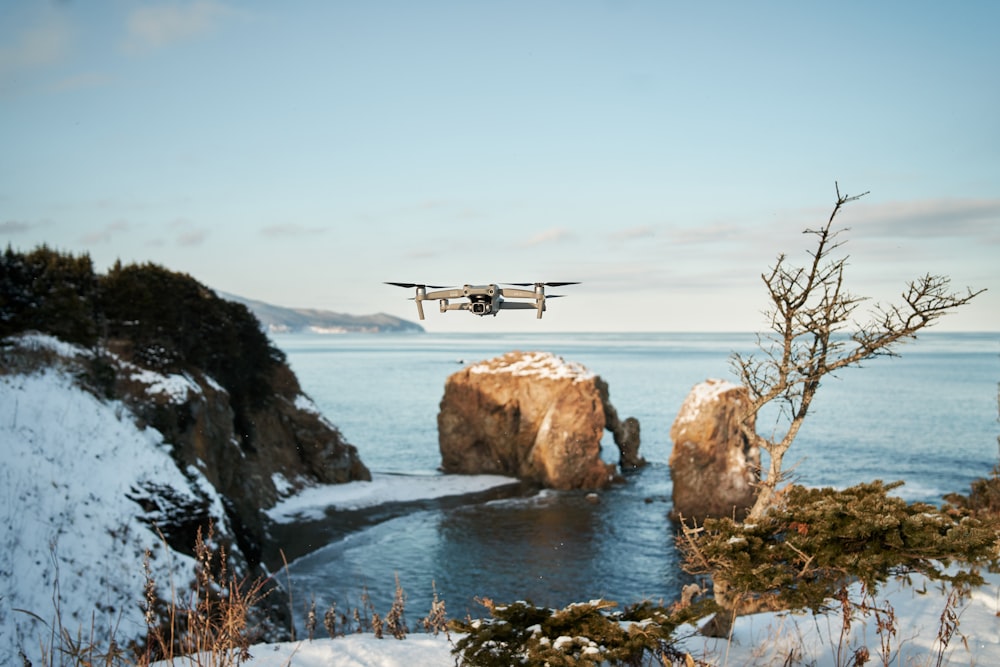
[814,541]
[585,634]
[167,320]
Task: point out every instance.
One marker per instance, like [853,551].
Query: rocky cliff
[533,416]
[196,367]
[180,414]
[280,446]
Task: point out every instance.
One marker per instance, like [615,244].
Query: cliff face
[529,415]
[112,459]
[199,387]
[279,446]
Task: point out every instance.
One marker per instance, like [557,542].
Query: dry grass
[210,625]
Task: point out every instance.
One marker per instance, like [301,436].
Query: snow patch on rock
[701,395]
[536,364]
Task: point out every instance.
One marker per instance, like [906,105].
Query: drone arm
[445,294]
[512,293]
[538,305]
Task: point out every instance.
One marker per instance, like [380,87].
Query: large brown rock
[713,466]
[530,415]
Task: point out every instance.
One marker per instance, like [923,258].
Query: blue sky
[663,153]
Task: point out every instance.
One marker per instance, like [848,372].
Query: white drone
[484,299]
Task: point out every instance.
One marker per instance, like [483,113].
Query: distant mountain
[278,319]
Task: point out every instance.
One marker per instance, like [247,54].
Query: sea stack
[530,415]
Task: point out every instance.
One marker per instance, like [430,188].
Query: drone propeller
[555,284]
[412,285]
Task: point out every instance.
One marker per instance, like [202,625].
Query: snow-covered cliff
[103,461]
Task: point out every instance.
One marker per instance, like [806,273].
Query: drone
[484,299]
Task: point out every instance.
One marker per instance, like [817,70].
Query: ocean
[927,417]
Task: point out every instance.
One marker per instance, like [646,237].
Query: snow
[702,394]
[305,404]
[362,650]
[534,364]
[39,341]
[68,532]
[768,638]
[176,388]
[384,488]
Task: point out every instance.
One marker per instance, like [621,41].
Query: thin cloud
[81,82]
[40,46]
[549,236]
[291,230]
[156,26]
[15,227]
[443,208]
[105,234]
[930,218]
[708,234]
[186,234]
[634,233]
[192,238]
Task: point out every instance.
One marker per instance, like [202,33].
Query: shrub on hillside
[802,551]
[173,320]
[589,633]
[983,500]
[167,320]
[48,291]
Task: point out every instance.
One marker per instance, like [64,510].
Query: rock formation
[713,466]
[533,416]
[284,444]
[626,433]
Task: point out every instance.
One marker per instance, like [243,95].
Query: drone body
[484,299]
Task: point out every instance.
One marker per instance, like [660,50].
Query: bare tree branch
[814,333]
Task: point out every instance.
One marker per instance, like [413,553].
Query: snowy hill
[71,539]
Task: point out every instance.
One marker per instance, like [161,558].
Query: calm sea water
[928,417]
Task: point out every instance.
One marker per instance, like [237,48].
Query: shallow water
[929,418]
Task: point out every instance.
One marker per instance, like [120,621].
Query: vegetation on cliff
[165,320]
[141,347]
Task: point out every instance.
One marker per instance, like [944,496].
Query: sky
[664,154]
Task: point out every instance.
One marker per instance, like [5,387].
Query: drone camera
[481,308]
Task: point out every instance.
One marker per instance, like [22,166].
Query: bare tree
[813,334]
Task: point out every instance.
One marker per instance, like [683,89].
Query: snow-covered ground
[761,639]
[384,488]
[70,539]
